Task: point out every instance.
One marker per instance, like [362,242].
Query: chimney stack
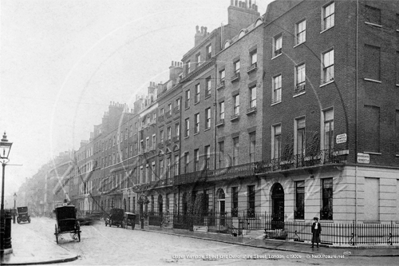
[200,35]
[174,70]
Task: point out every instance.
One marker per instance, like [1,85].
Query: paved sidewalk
[285,245]
[31,248]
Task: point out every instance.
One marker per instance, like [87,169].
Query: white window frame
[196,123]
[277,45]
[253,56]
[276,141]
[208,118]
[300,124]
[328,127]
[236,150]
[300,32]
[328,16]
[197,96]
[236,104]
[221,110]
[277,88]
[187,127]
[252,97]
[237,66]
[327,65]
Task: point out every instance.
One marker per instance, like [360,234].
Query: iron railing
[301,160]
[341,234]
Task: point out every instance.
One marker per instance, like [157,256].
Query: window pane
[328,66]
[372,130]
[328,19]
[373,15]
[372,62]
[326,212]
[299,200]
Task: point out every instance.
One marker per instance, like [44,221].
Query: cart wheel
[56,234]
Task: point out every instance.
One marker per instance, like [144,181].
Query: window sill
[372,153]
[274,57]
[326,220]
[273,104]
[220,123]
[186,137]
[373,24]
[299,94]
[251,110]
[207,129]
[195,134]
[197,102]
[249,71]
[326,83]
[235,79]
[326,29]
[208,96]
[234,118]
[296,45]
[187,108]
[373,80]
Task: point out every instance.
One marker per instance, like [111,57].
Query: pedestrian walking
[316,230]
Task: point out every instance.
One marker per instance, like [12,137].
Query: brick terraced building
[292,114]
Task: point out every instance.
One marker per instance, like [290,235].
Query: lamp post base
[5,231]
[6,251]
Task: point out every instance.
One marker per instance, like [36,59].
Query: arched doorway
[221,208]
[277,206]
[160,204]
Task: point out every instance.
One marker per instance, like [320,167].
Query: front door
[277,206]
[222,207]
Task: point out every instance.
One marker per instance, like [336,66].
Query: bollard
[142,222]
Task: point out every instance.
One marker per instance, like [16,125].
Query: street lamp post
[5,221]
[15,207]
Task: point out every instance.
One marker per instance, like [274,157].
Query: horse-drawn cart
[67,222]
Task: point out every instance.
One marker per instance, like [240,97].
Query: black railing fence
[301,160]
[346,234]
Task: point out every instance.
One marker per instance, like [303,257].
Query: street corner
[35,259]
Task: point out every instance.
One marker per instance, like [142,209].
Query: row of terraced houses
[293,114]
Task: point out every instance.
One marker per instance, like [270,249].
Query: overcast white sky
[64,61]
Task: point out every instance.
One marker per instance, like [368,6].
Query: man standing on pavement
[316,230]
